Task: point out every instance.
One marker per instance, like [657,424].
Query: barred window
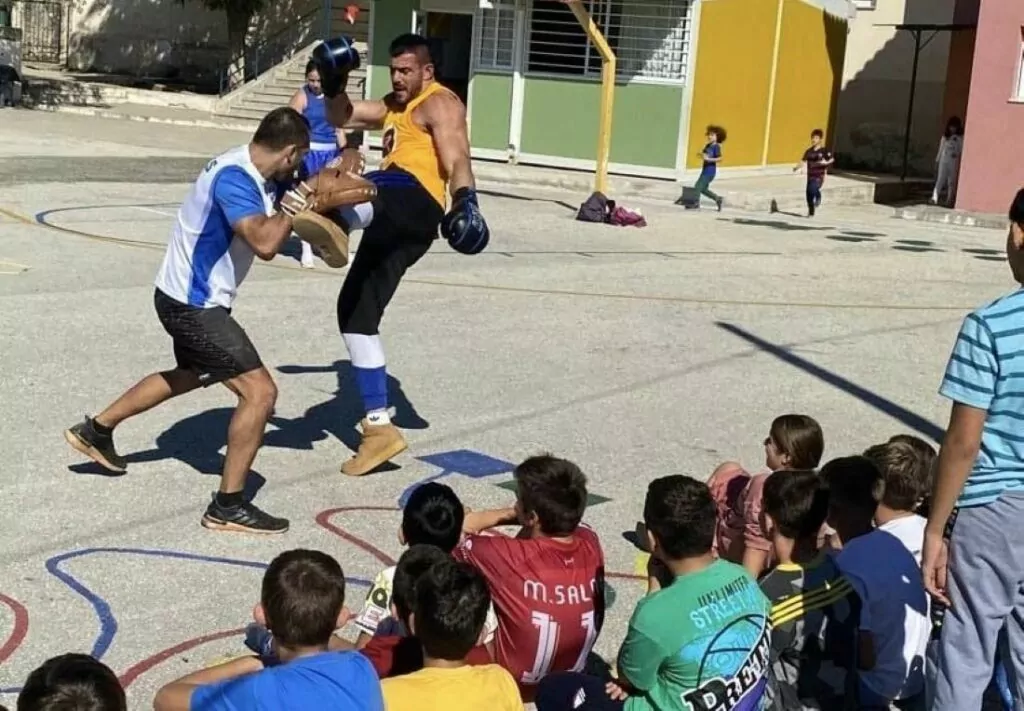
[497,31]
[650,38]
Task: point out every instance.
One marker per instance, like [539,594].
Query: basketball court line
[41,222]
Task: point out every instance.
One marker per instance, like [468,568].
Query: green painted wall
[390,19]
[380,81]
[560,118]
[490,111]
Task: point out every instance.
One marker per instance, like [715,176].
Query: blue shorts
[315,161]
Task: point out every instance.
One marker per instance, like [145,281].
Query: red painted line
[324,519]
[20,627]
[140,668]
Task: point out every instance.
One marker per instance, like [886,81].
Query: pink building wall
[992,166]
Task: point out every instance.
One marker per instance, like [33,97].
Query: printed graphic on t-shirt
[732,660]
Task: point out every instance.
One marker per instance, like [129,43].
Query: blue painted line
[466,462]
[104,613]
[469,463]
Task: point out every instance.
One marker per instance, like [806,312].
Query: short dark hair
[433,515]
[800,437]
[906,470]
[451,609]
[555,489]
[411,43]
[412,566]
[1017,208]
[76,682]
[680,513]
[719,132]
[818,132]
[303,593]
[797,501]
[281,128]
[854,483]
[310,66]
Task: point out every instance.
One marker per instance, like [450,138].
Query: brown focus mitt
[351,160]
[329,189]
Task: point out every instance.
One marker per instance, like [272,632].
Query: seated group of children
[788,589]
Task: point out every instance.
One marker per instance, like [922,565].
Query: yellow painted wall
[730,87]
[808,79]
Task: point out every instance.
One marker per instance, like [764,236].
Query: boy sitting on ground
[700,639]
[302,603]
[72,681]
[451,602]
[433,516]
[906,475]
[395,655]
[894,622]
[547,583]
[814,610]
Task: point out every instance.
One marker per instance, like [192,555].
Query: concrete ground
[635,352]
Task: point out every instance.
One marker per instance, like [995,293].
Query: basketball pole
[604,130]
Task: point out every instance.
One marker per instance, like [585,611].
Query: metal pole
[910,104]
[608,63]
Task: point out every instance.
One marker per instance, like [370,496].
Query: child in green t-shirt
[701,636]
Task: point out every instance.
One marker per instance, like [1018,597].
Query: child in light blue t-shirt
[980,476]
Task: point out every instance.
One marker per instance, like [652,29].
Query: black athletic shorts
[206,341]
[405,223]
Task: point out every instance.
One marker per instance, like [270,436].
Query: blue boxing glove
[464,226]
[334,59]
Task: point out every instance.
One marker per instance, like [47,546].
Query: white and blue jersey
[205,261]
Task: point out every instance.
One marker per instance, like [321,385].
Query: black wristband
[464,195]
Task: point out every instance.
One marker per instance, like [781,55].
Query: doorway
[451,47]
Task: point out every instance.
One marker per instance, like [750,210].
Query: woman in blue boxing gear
[325,141]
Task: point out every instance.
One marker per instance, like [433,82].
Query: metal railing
[41,23]
[271,50]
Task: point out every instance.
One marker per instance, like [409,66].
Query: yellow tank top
[410,147]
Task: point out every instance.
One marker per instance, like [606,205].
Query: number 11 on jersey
[547,644]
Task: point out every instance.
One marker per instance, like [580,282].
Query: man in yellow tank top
[425,147]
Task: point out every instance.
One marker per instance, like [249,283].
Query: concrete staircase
[276,86]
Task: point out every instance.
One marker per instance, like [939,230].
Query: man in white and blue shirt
[229,216]
[980,576]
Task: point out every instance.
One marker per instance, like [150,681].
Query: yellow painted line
[640,564]
[528,290]
[15,267]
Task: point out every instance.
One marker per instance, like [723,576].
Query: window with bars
[1019,94]
[497,37]
[650,39]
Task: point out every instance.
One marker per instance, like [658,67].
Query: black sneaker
[246,518]
[100,448]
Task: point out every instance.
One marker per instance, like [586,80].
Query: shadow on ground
[197,441]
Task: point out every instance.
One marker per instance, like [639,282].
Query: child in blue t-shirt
[980,477]
[302,603]
[712,156]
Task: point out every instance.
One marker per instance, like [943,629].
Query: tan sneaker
[380,443]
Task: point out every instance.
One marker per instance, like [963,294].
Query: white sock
[378,417]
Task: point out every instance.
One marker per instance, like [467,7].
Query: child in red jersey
[547,583]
